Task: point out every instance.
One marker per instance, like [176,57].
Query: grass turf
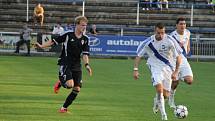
[111,94]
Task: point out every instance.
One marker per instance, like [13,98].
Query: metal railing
[203,48]
[200,47]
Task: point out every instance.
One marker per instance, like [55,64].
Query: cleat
[57,87]
[63,110]
[155,107]
[164,117]
[171,102]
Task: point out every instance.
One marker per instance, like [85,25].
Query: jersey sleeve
[141,50]
[176,45]
[176,49]
[86,48]
[60,39]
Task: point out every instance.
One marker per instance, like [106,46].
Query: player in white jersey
[161,52]
[182,37]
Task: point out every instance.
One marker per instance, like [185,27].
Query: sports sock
[70,98]
[172,92]
[161,103]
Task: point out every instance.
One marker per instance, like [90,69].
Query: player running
[70,73]
[182,37]
[161,53]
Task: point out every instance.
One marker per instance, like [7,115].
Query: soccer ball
[181,111]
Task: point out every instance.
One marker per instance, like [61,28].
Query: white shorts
[161,75]
[184,70]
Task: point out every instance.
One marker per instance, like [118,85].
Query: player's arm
[44,45]
[188,43]
[176,71]
[86,64]
[141,50]
[60,39]
[86,54]
[188,46]
[135,69]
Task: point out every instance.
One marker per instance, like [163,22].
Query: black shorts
[66,73]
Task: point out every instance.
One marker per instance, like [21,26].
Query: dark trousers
[21,42]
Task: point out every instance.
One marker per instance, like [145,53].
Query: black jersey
[73,47]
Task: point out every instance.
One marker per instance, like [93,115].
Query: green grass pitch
[111,94]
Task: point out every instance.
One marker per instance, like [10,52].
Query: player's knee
[174,84]
[77,88]
[166,94]
[70,84]
[189,80]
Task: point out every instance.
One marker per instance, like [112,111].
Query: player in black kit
[75,44]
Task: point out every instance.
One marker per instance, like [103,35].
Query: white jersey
[161,55]
[185,69]
[182,39]
[165,48]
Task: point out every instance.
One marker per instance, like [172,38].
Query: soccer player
[161,53]
[70,73]
[182,37]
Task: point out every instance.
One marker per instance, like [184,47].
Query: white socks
[161,103]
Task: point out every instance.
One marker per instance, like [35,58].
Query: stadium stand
[110,17]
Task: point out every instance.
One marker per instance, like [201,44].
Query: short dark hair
[160,26]
[180,19]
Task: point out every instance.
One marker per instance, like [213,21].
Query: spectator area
[110,17]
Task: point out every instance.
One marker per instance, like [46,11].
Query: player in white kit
[182,37]
[162,53]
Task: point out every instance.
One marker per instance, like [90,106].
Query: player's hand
[136,74]
[89,70]
[174,75]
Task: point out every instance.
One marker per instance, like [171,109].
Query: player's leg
[163,89]
[188,79]
[65,79]
[185,75]
[61,74]
[77,76]
[160,101]
[171,99]
[157,77]
[155,105]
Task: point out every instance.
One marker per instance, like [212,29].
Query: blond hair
[80,18]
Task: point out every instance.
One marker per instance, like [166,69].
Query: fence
[200,47]
[203,48]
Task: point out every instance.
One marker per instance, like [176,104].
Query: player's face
[181,26]
[159,33]
[81,27]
